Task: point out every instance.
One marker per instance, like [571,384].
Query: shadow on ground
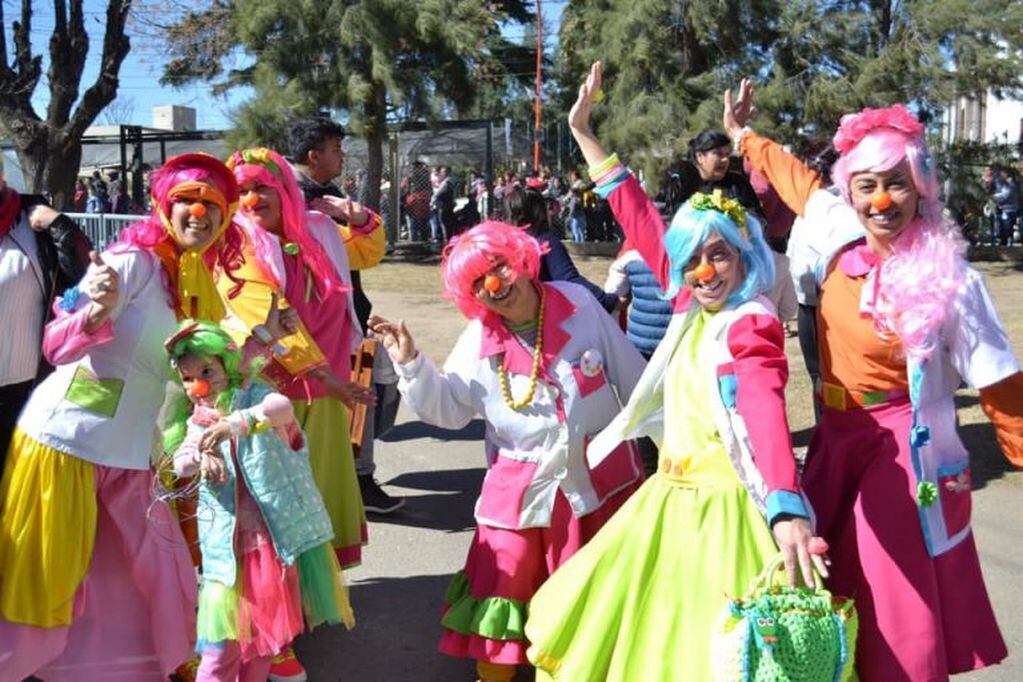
[411,430]
[395,637]
[448,505]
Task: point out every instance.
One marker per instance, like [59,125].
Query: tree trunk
[376,137]
[50,163]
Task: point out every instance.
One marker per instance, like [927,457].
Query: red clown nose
[881,201]
[197,210]
[492,283]
[200,389]
[704,272]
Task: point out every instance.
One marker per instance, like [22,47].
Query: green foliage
[668,62]
[373,62]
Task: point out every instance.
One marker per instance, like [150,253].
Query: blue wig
[692,226]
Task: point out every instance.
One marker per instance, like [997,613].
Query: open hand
[739,111]
[796,540]
[349,393]
[396,339]
[579,115]
[344,210]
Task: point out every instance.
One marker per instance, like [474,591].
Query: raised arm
[632,208]
[791,178]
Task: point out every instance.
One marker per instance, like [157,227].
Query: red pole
[539,84]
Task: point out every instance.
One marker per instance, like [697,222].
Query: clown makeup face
[885,203]
[263,205]
[194,222]
[714,272]
[511,296]
[203,378]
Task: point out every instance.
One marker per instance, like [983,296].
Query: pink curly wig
[267,167]
[151,234]
[473,254]
[926,268]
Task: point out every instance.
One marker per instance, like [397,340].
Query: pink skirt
[134,612]
[486,604]
[921,618]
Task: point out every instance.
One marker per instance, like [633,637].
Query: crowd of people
[180,491]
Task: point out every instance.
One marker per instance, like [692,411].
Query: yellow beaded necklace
[502,374]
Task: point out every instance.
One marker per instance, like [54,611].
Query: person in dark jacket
[707,169]
[42,252]
[525,207]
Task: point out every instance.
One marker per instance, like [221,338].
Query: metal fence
[103,228]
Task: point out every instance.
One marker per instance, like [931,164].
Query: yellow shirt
[692,452]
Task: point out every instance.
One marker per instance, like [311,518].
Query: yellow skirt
[47,528]
[327,430]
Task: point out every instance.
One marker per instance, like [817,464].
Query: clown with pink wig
[300,257]
[96,581]
[546,368]
[903,320]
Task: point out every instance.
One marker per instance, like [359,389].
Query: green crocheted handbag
[781,634]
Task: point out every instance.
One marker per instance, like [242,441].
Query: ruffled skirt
[639,601]
[96,582]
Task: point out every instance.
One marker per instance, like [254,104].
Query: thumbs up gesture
[102,286]
[280,322]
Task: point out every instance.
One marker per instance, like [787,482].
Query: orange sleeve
[1003,405]
[789,176]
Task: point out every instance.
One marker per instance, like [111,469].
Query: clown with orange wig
[96,581]
[545,367]
[903,320]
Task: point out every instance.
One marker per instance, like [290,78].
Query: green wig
[205,340]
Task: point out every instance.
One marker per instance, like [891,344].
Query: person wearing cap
[96,580]
[42,252]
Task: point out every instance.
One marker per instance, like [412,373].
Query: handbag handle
[766,576]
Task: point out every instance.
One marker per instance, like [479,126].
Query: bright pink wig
[473,254]
[266,167]
[151,234]
[918,281]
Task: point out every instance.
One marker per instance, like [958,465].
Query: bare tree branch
[115,48]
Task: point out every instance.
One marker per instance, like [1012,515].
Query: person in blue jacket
[525,207]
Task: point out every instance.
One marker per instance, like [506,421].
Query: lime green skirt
[638,602]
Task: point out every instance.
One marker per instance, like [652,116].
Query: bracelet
[611,175]
[263,335]
[737,140]
[603,167]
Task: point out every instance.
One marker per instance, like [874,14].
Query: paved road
[397,592]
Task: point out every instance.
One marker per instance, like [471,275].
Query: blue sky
[141,69]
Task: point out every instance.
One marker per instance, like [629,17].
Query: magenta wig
[926,268]
[474,253]
[266,167]
[151,234]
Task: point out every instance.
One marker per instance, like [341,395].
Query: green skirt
[638,602]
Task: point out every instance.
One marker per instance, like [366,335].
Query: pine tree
[374,61]
[669,61]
